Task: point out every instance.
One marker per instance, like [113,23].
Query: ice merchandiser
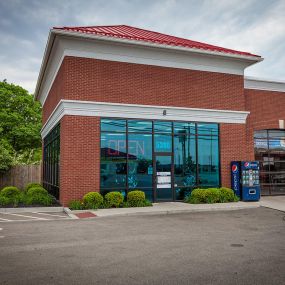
[245,180]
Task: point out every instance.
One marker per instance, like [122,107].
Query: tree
[20,124]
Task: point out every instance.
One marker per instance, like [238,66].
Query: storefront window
[132,149]
[109,125]
[113,161]
[140,126]
[208,160]
[51,161]
[269,148]
[140,161]
[162,143]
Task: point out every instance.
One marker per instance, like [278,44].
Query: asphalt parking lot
[31,216]
[232,247]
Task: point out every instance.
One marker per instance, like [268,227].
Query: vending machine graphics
[245,180]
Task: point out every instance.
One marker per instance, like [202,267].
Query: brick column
[232,147]
[79,157]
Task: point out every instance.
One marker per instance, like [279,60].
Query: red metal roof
[137,34]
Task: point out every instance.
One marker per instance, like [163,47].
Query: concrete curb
[69,213]
[32,209]
[175,211]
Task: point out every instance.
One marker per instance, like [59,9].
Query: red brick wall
[232,147]
[56,93]
[266,109]
[79,157]
[117,82]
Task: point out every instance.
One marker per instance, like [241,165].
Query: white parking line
[49,215]
[30,217]
[5,220]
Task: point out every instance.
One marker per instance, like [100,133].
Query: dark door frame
[170,154]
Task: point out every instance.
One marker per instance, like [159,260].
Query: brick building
[125,108]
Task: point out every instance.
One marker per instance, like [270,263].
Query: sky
[256,26]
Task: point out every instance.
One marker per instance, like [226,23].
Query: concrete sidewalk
[173,208]
[273,202]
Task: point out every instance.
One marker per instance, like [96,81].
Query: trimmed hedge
[36,190]
[211,195]
[92,200]
[12,195]
[32,185]
[114,199]
[34,195]
[136,198]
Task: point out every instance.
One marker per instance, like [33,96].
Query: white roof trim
[134,111]
[264,84]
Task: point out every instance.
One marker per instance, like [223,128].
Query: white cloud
[254,26]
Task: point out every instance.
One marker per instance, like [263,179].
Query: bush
[4,201]
[76,205]
[197,196]
[114,199]
[12,195]
[145,203]
[136,198]
[10,192]
[226,195]
[38,199]
[36,190]
[212,195]
[31,185]
[92,200]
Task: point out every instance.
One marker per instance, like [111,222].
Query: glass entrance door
[163,178]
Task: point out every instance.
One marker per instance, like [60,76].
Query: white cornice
[62,43]
[264,84]
[116,110]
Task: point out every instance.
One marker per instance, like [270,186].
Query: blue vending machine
[245,180]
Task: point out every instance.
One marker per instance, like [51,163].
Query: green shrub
[38,199]
[212,195]
[226,195]
[31,185]
[145,203]
[13,194]
[10,192]
[92,200]
[36,190]
[136,198]
[197,196]
[114,199]
[76,205]
[4,201]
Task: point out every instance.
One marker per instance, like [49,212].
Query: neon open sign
[115,147]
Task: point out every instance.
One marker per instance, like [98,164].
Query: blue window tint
[162,127]
[184,128]
[162,143]
[110,125]
[184,161]
[140,126]
[261,134]
[113,160]
[276,134]
[207,129]
[140,161]
[208,160]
